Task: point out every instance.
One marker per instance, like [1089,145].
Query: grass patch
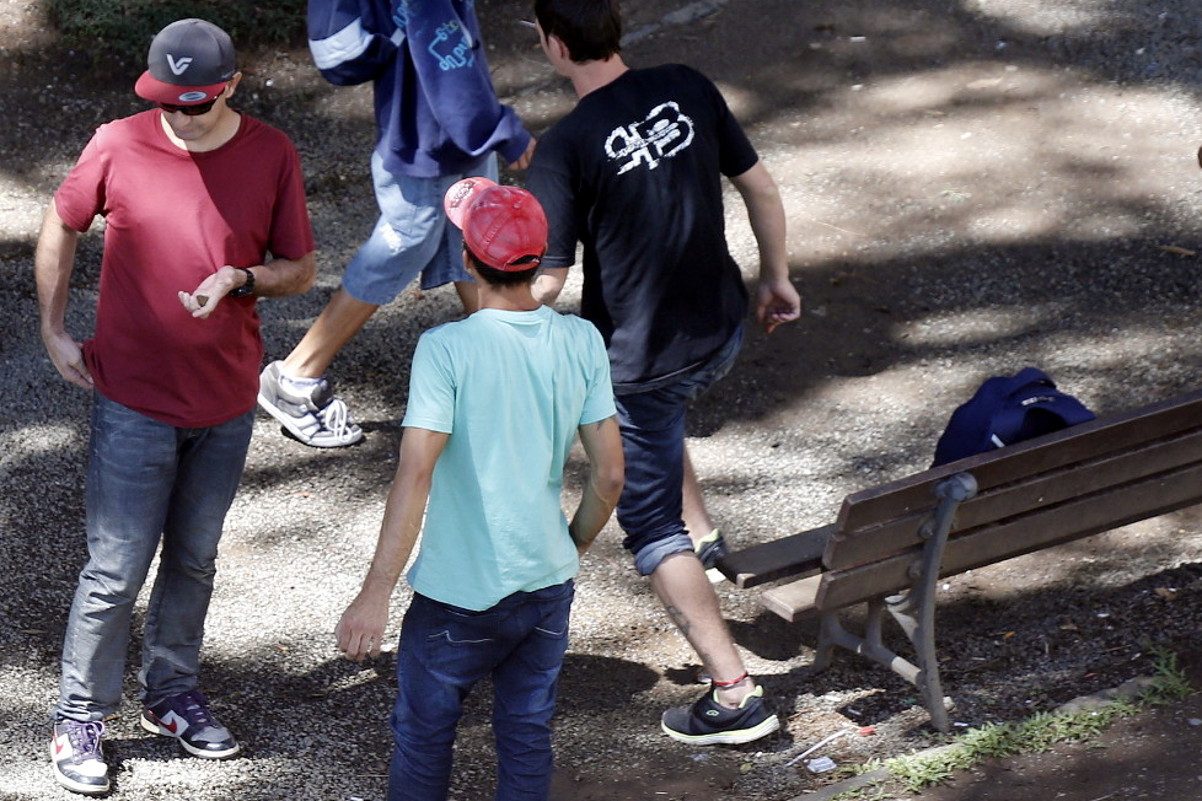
[122,29]
[1036,734]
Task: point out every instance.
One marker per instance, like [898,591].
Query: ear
[556,45]
[233,84]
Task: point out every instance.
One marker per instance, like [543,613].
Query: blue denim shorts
[411,236]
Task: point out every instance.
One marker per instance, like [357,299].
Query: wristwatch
[247,288]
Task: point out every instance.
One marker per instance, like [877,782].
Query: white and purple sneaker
[187,718]
[77,757]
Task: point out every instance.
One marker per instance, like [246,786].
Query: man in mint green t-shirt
[495,403]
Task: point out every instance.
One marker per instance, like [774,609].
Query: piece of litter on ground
[814,748]
[821,765]
[867,731]
[1180,251]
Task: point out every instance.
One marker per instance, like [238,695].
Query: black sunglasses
[189,111]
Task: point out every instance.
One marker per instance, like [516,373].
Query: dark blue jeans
[444,651]
[653,427]
[148,483]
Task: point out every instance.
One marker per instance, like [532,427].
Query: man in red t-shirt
[204,210]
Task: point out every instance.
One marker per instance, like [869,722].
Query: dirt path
[970,187]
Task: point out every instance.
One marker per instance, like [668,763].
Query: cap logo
[461,190]
[178,67]
[192,97]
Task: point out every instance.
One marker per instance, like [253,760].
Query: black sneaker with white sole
[709,723]
[77,756]
[187,718]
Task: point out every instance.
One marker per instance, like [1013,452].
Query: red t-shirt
[172,218]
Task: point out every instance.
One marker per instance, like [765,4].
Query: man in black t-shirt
[634,173]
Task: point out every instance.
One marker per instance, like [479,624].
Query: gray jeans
[148,482]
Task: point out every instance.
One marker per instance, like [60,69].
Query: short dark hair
[494,277]
[591,29]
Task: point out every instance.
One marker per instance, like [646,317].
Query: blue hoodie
[436,110]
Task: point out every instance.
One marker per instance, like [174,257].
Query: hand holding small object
[197,305]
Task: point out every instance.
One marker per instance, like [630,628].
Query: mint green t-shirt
[511,389]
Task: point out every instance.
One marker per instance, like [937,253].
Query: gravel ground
[971,187]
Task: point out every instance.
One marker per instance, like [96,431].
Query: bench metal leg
[921,633]
[914,611]
[871,645]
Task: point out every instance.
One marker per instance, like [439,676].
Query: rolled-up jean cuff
[648,558]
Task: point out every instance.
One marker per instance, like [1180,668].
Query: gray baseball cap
[189,63]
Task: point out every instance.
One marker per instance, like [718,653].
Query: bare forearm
[53,263]
[277,277]
[398,535]
[360,631]
[280,277]
[766,214]
[603,444]
[405,507]
[590,517]
[548,284]
[776,299]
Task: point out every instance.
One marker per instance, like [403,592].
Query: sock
[300,384]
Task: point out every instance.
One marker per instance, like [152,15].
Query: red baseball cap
[504,226]
[190,62]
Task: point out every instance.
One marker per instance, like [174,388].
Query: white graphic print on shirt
[664,133]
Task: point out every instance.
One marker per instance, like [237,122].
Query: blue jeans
[444,651]
[412,235]
[147,481]
[653,428]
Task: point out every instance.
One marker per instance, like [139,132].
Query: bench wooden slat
[1046,489]
[1063,448]
[1042,528]
[777,559]
[794,600]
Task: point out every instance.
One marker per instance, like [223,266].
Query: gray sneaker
[315,417]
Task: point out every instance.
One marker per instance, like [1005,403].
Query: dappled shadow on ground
[970,188]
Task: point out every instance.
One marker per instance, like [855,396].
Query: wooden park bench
[892,543]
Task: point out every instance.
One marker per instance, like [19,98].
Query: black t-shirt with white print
[634,173]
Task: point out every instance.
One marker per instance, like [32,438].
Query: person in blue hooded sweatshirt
[438,121]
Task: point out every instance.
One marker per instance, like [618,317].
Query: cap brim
[156,91]
[458,198]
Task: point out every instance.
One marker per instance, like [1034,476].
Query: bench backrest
[1080,481]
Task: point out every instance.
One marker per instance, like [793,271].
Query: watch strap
[247,288]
